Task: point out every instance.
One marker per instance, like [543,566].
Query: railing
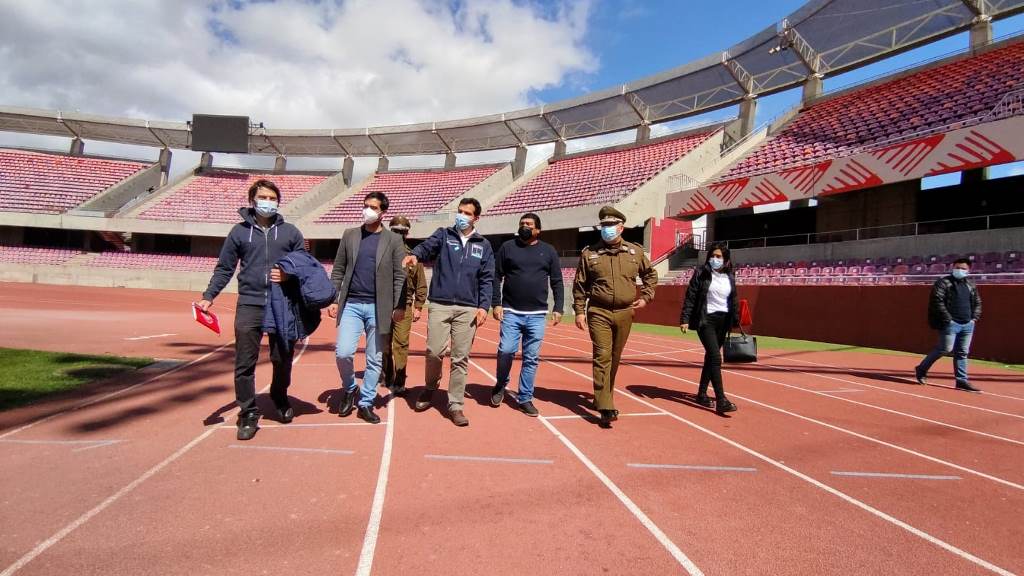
[874,279]
[967,224]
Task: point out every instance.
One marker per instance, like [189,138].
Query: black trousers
[248,335]
[712,335]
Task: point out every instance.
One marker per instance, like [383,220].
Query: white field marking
[289,449]
[112,394]
[694,467]
[668,355]
[847,431]
[377,509]
[150,337]
[643,354]
[85,444]
[893,475]
[842,391]
[488,459]
[63,532]
[644,520]
[842,495]
[593,417]
[300,425]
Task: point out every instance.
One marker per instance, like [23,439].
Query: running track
[834,463]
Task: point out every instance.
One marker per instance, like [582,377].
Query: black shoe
[724,406]
[497,395]
[966,386]
[247,425]
[425,400]
[607,416]
[703,401]
[348,404]
[285,414]
[399,391]
[366,413]
[919,375]
[529,409]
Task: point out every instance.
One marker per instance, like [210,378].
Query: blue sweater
[527,271]
[461,276]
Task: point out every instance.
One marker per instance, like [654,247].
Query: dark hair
[962,261]
[380,197]
[474,202]
[263,183]
[726,256]
[531,216]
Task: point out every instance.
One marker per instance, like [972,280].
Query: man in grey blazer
[370,280]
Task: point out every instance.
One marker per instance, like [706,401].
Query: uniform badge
[632,251]
[476,251]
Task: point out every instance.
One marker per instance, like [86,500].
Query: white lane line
[49,542]
[299,425]
[150,337]
[114,393]
[893,475]
[377,509]
[839,494]
[85,444]
[593,417]
[289,449]
[644,520]
[45,545]
[488,459]
[844,431]
[840,391]
[693,467]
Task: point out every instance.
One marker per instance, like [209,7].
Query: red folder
[208,319]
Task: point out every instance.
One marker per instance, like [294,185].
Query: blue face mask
[461,222]
[266,208]
[609,233]
[716,263]
[959,273]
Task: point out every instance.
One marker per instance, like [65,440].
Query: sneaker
[366,413]
[919,375]
[497,395]
[703,401]
[458,418]
[425,400]
[966,386]
[247,425]
[529,409]
[724,406]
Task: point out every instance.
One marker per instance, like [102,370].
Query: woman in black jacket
[711,307]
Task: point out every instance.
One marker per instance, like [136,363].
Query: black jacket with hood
[258,250]
[695,303]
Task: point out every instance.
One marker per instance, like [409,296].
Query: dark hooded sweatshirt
[257,249]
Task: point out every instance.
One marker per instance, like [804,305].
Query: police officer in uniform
[605,299]
[396,352]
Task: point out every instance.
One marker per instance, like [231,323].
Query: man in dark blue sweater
[523,269]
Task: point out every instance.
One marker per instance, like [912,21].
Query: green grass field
[29,375]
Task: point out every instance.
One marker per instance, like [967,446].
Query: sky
[356,63]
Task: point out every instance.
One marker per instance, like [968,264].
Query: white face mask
[370,215]
[266,208]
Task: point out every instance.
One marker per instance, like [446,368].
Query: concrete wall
[926,245]
[888,317]
[109,277]
[121,193]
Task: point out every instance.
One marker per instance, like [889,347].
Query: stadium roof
[824,37]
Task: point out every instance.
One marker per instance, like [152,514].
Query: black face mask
[525,234]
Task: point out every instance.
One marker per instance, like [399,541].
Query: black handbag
[738,349]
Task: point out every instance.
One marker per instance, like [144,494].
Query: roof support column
[165,165]
[559,148]
[813,87]
[206,161]
[748,114]
[77,147]
[449,160]
[280,164]
[382,164]
[981,32]
[643,133]
[519,164]
[347,166]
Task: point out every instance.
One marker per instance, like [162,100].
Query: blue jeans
[356,319]
[530,328]
[955,338]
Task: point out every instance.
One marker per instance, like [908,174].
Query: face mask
[370,215]
[266,208]
[525,234]
[461,222]
[716,263]
[609,233]
[959,273]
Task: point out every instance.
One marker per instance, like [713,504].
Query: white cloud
[290,63]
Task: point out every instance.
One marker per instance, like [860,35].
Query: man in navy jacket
[459,299]
[260,240]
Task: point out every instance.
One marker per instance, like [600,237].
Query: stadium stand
[215,196]
[948,96]
[32,255]
[41,183]
[601,177]
[412,193]
[163,262]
